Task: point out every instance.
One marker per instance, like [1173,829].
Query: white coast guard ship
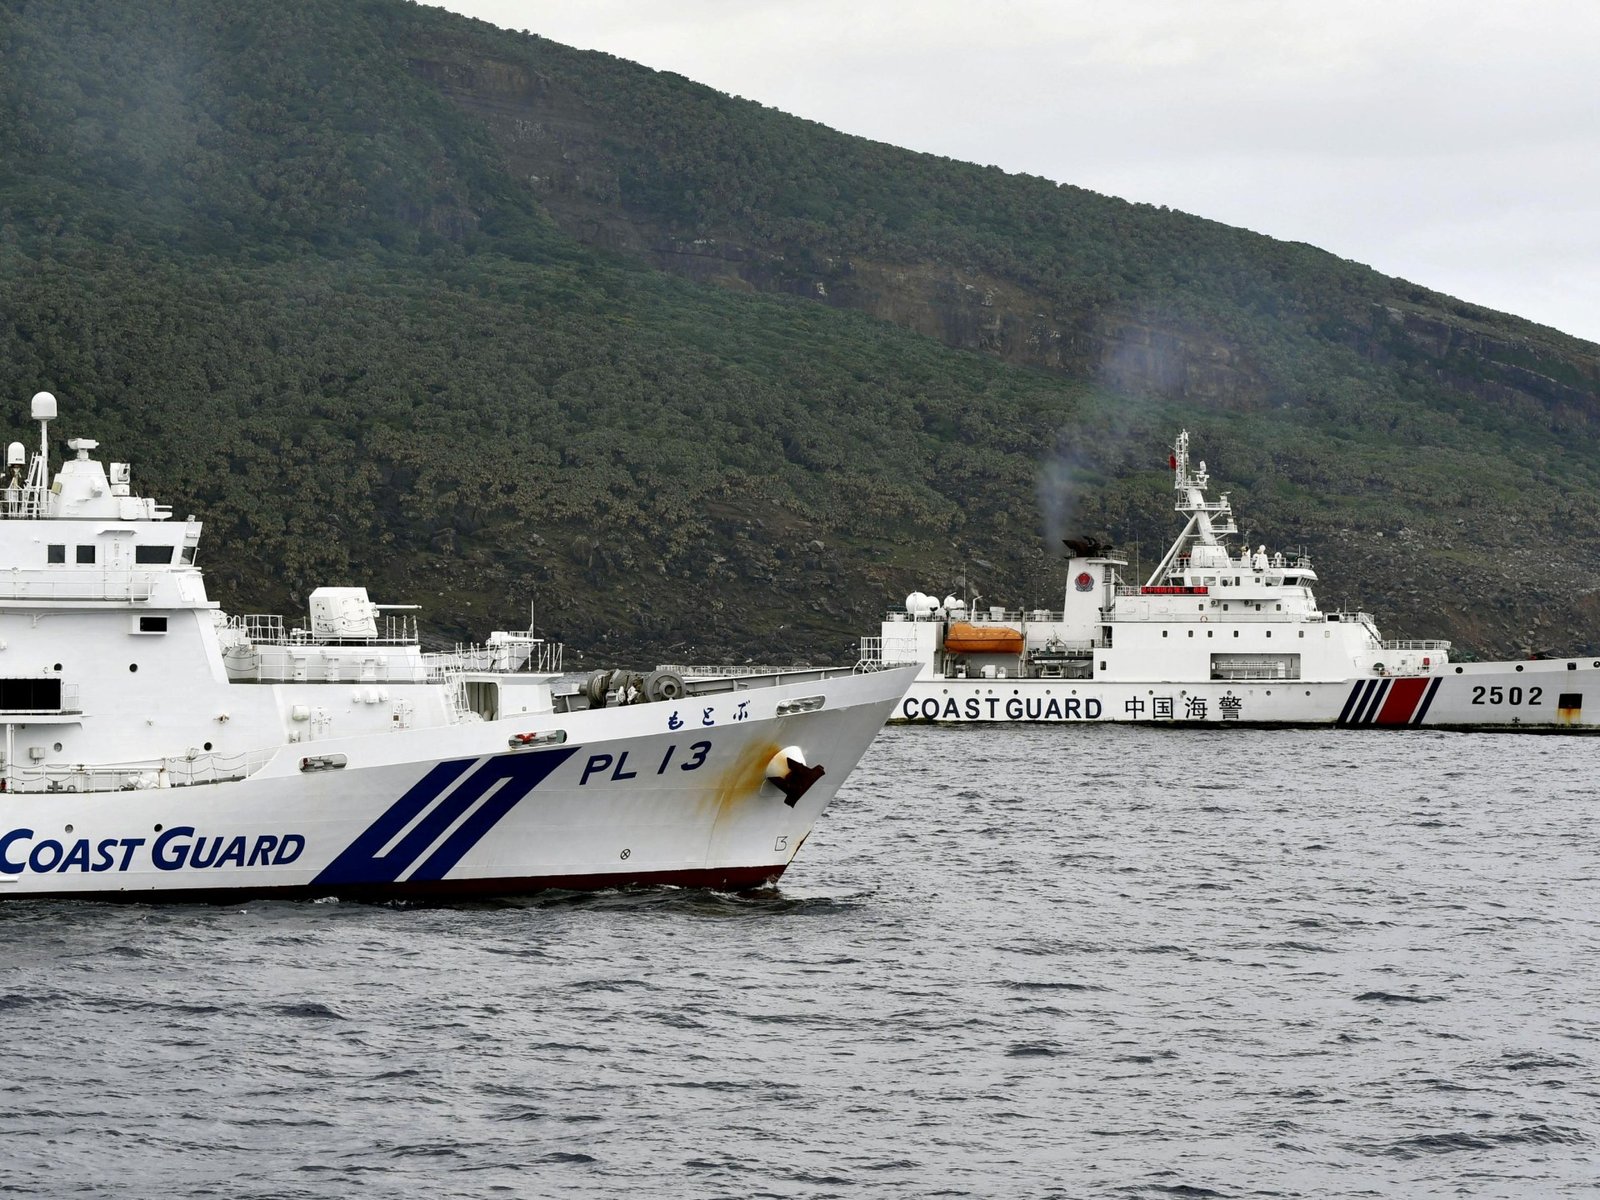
[156,747]
[1215,636]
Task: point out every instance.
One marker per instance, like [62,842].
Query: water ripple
[1034,963]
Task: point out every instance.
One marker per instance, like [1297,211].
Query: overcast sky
[1454,143]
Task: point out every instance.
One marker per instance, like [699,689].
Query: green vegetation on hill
[278,257]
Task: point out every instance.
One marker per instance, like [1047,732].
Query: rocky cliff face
[1488,365]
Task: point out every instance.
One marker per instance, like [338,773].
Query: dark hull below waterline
[722,879]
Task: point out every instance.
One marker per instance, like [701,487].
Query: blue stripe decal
[1370,711]
[1422,709]
[360,862]
[1355,690]
[1361,704]
[521,773]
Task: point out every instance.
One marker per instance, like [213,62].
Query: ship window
[1269,633]
[188,554]
[86,554]
[1163,633]
[1235,633]
[152,554]
[1278,607]
[1210,634]
[55,554]
[1302,633]
[36,694]
[1191,633]
[152,624]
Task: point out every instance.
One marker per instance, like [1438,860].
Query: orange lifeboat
[962,638]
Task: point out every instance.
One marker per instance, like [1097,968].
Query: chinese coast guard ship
[156,747]
[1215,636]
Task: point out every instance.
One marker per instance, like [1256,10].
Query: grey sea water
[1023,962]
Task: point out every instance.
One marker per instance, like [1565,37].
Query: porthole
[133,666]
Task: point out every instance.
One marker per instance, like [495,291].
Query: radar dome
[44,406]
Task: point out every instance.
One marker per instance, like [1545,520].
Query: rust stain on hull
[742,778]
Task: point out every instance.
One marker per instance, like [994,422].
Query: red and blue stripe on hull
[1389,701]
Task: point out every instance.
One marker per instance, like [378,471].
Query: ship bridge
[83,536]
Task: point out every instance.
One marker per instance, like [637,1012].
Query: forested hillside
[390,296]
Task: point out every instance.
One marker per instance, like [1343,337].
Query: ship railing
[1059,649]
[344,663]
[1261,672]
[393,629]
[709,679]
[1009,616]
[1427,644]
[870,657]
[531,656]
[185,770]
[1214,616]
[23,504]
[84,585]
[1275,560]
[267,629]
[1355,617]
[739,670]
[264,629]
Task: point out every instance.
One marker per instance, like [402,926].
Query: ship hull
[1555,695]
[674,793]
